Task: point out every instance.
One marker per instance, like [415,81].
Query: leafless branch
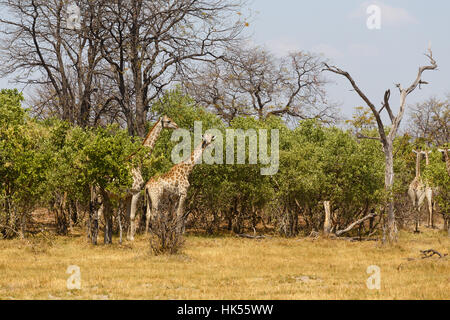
[354,224]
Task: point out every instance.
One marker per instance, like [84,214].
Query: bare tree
[251,81]
[40,48]
[120,57]
[431,120]
[147,43]
[387,135]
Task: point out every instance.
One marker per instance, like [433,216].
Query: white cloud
[390,16]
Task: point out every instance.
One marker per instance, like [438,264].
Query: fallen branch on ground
[430,252]
[354,224]
[425,255]
[250,236]
[354,239]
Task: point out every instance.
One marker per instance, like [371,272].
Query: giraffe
[138,182]
[428,193]
[175,182]
[416,190]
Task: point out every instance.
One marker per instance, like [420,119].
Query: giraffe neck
[418,165]
[153,135]
[447,160]
[196,155]
[427,159]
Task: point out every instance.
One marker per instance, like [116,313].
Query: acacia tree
[387,135]
[251,81]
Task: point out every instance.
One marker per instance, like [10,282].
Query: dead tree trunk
[391,227]
[107,216]
[448,227]
[354,224]
[387,139]
[119,217]
[93,216]
[327,223]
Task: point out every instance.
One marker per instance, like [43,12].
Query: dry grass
[225,268]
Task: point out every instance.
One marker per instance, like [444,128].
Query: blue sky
[377,59]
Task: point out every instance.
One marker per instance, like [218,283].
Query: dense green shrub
[55,165]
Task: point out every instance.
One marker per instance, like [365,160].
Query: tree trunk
[327,223]
[448,226]
[107,214]
[141,114]
[120,225]
[93,216]
[371,221]
[23,225]
[391,228]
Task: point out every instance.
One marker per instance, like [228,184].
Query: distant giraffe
[416,190]
[175,182]
[138,182]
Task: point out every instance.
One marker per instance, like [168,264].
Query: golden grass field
[226,268]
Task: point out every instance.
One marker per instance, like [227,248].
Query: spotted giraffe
[175,182]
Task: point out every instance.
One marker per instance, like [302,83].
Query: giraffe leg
[95,218]
[429,196]
[420,200]
[150,214]
[412,197]
[180,212]
[128,212]
[133,207]
[100,213]
[152,208]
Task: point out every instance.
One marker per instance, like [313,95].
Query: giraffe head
[168,123]
[196,155]
[444,152]
[207,139]
[163,123]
